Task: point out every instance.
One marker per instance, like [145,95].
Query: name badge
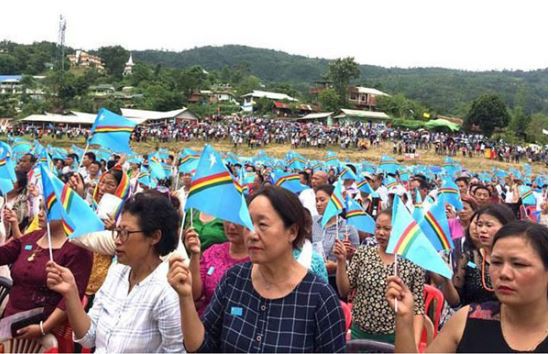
[237,311]
[28,247]
[210,271]
[471,265]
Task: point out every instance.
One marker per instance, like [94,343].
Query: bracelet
[41,324]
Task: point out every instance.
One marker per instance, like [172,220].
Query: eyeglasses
[123,234]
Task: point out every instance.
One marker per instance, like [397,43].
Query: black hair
[308,224]
[155,212]
[306,176]
[501,212]
[481,186]
[22,179]
[326,188]
[111,164]
[32,157]
[95,162]
[423,184]
[352,167]
[462,179]
[288,207]
[117,174]
[534,234]
[91,156]
[468,245]
[73,156]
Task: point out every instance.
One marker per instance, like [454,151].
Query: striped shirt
[238,319]
[146,320]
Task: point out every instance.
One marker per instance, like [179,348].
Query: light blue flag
[335,205]
[62,203]
[364,187]
[449,193]
[289,181]
[20,147]
[156,167]
[214,191]
[112,131]
[435,226]
[527,195]
[408,240]
[357,217]
[6,186]
[189,167]
[7,165]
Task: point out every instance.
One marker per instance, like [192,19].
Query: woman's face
[270,239]
[487,227]
[467,212]
[234,232]
[517,272]
[133,248]
[322,199]
[107,185]
[473,232]
[383,227]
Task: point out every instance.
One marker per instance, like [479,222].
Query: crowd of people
[259,132]
[290,284]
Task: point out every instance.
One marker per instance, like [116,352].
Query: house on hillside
[11,85]
[274,96]
[82,59]
[364,97]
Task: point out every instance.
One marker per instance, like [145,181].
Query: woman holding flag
[28,256]
[135,310]
[372,318]
[517,322]
[270,305]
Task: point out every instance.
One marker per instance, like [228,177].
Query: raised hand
[192,241]
[397,293]
[179,276]
[339,250]
[59,279]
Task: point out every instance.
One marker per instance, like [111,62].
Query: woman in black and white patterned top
[372,318]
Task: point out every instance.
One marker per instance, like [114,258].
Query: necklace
[34,253]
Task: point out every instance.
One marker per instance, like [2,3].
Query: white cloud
[467,34]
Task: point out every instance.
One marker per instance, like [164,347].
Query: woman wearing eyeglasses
[135,310]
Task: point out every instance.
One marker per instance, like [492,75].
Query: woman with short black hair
[272,304]
[135,310]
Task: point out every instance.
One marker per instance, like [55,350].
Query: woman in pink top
[207,269]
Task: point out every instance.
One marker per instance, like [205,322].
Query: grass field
[373,154]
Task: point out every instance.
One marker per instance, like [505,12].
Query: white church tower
[128,66]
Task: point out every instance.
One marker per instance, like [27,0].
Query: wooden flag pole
[82,157]
[396,274]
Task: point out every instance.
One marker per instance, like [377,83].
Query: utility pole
[61,40]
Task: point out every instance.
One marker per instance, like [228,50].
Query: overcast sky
[466,34]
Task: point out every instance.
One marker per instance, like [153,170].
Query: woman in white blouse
[135,310]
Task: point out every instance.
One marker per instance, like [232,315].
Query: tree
[329,100]
[341,72]
[534,129]
[115,58]
[519,122]
[487,112]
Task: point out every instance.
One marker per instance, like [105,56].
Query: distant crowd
[258,132]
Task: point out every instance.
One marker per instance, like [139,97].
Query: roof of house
[10,78]
[73,118]
[154,115]
[270,95]
[362,114]
[320,115]
[370,91]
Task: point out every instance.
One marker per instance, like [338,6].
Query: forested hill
[445,90]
